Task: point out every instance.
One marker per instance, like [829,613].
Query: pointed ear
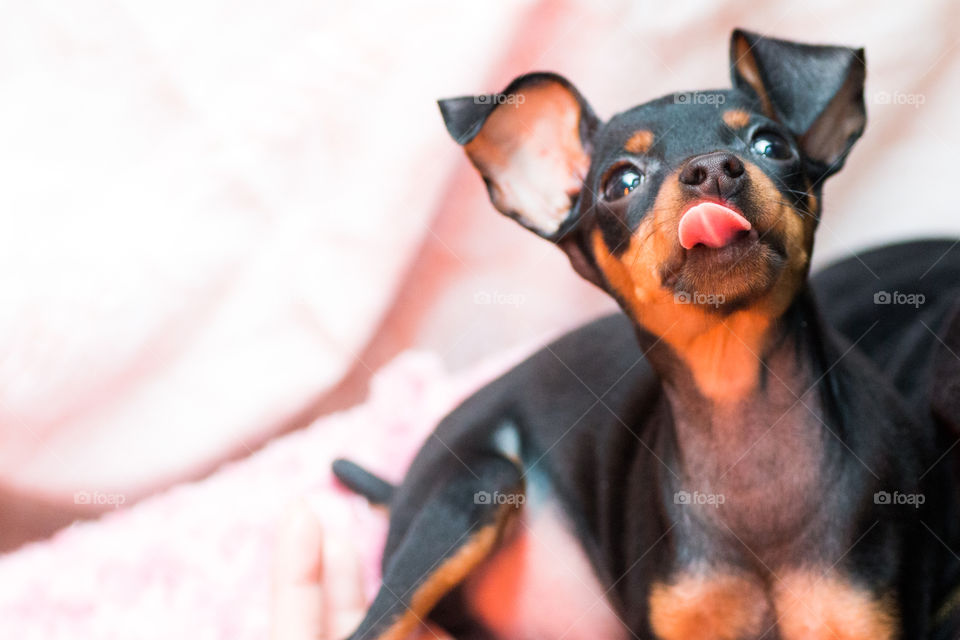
[531,144]
[815,91]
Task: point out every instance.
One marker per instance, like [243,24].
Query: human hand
[317,583]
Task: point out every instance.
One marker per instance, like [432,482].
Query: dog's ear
[815,91]
[531,144]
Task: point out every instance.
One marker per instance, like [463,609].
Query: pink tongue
[710,224]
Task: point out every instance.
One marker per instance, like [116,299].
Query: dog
[717,462]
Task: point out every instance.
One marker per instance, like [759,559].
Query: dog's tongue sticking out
[710,224]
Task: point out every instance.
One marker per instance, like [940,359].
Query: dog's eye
[771,145]
[621,181]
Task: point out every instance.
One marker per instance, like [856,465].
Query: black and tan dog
[719,464]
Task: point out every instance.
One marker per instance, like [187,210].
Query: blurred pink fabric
[195,562]
[206,218]
[222,218]
[213,221]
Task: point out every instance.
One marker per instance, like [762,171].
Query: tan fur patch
[794,227]
[813,607]
[710,607]
[812,203]
[639,142]
[721,353]
[448,575]
[736,118]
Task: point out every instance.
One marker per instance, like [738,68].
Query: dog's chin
[729,278]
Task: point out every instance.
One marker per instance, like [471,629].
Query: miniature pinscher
[717,463]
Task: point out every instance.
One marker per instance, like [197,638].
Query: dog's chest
[758,476]
[540,584]
[808,604]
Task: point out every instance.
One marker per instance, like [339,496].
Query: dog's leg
[457,527]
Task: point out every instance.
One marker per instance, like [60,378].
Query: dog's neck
[765,437]
[721,360]
[727,360]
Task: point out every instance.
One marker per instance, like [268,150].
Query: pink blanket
[195,562]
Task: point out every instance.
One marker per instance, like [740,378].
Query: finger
[298,565]
[344,599]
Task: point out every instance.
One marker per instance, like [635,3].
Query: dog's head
[707,199]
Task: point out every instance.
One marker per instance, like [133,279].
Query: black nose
[713,175]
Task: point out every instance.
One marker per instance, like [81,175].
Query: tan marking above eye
[736,118]
[639,142]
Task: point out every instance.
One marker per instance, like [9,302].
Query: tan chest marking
[708,607]
[804,605]
[813,607]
